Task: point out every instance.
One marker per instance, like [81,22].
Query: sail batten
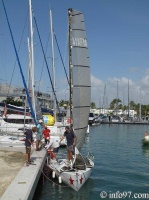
[80,128]
[81,66]
[81,106]
[80,75]
[74,29]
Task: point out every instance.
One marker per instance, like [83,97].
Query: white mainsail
[80,84]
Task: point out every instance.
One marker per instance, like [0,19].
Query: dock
[24,184]
[128,123]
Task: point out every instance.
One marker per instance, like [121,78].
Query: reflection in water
[53,191]
[145,150]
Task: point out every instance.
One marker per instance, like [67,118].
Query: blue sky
[118,40]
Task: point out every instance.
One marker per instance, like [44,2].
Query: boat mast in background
[53,63]
[117,100]
[104,99]
[140,108]
[128,99]
[31,42]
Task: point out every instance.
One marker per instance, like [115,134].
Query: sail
[79,75]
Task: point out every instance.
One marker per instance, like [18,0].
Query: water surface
[121,165]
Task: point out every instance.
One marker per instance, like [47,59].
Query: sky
[118,40]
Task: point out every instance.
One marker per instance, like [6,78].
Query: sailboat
[15,124]
[58,128]
[77,173]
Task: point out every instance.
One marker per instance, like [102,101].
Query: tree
[93,105]
[62,103]
[116,103]
[132,105]
[10,100]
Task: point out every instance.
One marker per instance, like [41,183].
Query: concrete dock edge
[24,184]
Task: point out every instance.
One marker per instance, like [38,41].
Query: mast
[28,81]
[117,99]
[53,63]
[104,98]
[79,75]
[32,56]
[128,99]
[70,65]
[29,65]
[140,108]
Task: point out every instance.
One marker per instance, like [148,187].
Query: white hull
[57,139]
[145,140]
[72,174]
[11,141]
[56,130]
[14,129]
[74,178]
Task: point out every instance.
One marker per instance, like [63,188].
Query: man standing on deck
[71,142]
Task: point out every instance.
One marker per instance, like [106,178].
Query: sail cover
[80,83]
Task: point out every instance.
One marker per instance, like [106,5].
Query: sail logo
[80,42]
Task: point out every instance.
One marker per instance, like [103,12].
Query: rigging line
[4,48]
[50,179]
[61,57]
[43,64]
[46,64]
[18,52]
[23,79]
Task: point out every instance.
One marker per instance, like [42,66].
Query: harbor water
[121,166]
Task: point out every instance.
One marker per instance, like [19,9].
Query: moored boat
[76,172]
[145,140]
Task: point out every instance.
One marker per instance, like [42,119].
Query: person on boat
[39,134]
[146,136]
[28,143]
[71,142]
[53,148]
[46,133]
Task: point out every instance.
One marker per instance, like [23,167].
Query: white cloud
[145,81]
[147,71]
[108,90]
[119,86]
[133,69]
[95,82]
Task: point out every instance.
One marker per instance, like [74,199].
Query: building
[18,93]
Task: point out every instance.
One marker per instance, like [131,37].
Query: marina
[75,126]
[121,164]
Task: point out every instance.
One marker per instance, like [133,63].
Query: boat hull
[74,178]
[145,142]
[11,141]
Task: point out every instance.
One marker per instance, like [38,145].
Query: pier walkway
[24,184]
